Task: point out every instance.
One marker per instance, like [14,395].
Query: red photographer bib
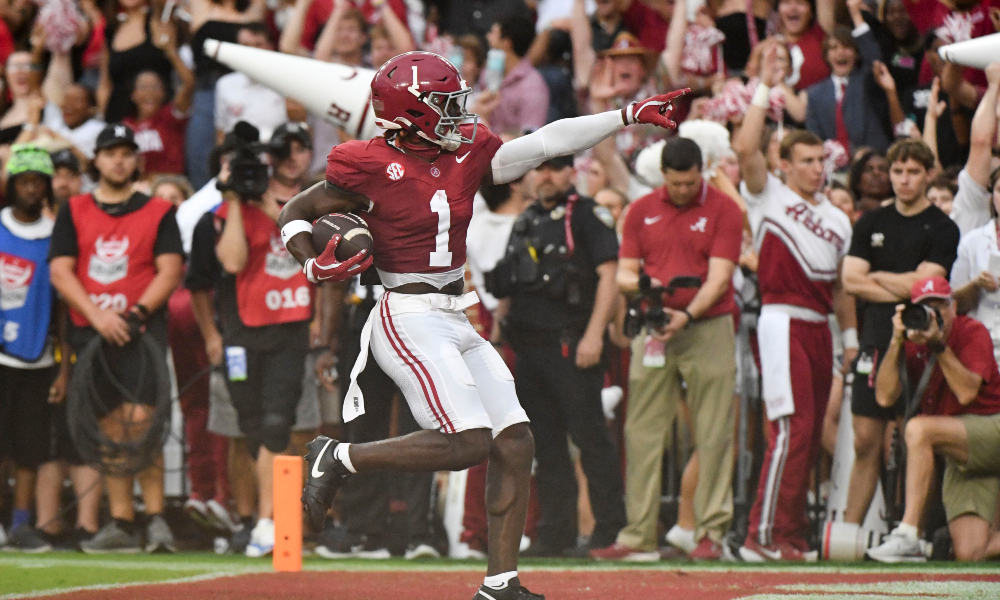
[115,260]
[271,288]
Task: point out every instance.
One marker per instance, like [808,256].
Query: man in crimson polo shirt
[960,420]
[686,228]
[116,254]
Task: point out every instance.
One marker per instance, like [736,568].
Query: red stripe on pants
[783,519]
[404,352]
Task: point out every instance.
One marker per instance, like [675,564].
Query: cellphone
[994,265]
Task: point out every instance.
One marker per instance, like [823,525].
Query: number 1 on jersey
[441,257]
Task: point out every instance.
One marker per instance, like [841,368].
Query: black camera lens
[917,316]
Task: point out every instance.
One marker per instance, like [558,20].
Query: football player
[415,188]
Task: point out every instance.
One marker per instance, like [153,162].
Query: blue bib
[25,295]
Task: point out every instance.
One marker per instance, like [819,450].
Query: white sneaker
[220,516]
[198,512]
[3,537]
[421,551]
[682,539]
[261,539]
[898,547]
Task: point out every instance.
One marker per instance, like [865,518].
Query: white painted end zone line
[115,586]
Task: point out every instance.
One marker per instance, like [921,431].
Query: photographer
[686,228]
[557,280]
[264,303]
[960,419]
[115,258]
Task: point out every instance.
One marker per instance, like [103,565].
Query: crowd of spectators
[826,158]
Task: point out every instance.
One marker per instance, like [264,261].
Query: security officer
[557,280]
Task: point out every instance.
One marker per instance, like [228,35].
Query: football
[353,232]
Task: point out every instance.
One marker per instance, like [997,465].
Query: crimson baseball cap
[930,287]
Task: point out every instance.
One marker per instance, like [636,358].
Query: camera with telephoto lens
[249,164]
[647,308]
[918,317]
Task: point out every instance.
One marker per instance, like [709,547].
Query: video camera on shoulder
[249,165]
[918,317]
[647,308]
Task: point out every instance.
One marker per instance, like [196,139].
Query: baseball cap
[559,162]
[292,130]
[65,158]
[930,287]
[626,44]
[115,134]
[28,158]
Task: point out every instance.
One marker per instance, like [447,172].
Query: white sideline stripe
[938,590]
[967,589]
[115,586]
[27,562]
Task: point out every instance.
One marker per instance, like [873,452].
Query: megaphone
[336,93]
[977,53]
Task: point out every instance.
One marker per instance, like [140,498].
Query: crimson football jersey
[420,208]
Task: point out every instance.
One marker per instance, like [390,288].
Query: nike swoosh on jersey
[459,159]
[315,471]
[651,220]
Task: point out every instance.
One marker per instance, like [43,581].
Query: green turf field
[22,574]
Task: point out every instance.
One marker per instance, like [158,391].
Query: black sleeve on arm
[203,265]
[168,236]
[944,244]
[861,238]
[63,234]
[599,239]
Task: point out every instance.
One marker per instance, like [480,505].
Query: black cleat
[513,591]
[325,474]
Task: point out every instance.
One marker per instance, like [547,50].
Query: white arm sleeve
[971,209]
[559,138]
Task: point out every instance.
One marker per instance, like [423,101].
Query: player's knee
[471,447]
[515,445]
[277,432]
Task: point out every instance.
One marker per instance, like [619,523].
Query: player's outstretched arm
[296,218]
[569,136]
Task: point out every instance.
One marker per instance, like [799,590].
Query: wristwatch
[938,347]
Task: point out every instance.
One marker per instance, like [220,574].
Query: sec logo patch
[395,171]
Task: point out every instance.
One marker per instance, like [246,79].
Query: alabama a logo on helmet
[15,279]
[109,263]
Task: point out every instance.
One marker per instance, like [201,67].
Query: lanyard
[570,244]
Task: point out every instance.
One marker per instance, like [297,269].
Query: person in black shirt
[265,306]
[115,257]
[892,248]
[556,322]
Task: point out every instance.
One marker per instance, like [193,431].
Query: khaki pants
[703,356]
